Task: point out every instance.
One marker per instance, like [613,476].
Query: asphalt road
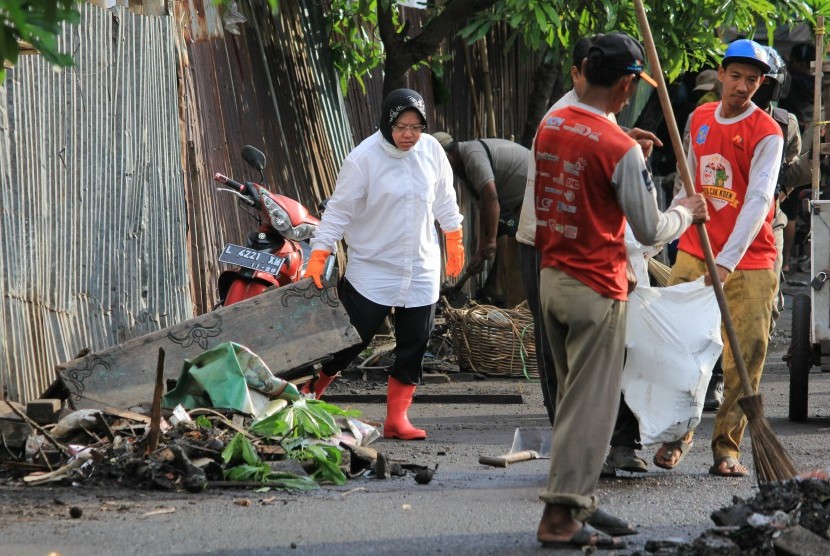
[466,509]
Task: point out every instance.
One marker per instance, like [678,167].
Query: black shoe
[610,524]
[714,395]
[625,458]
[608,471]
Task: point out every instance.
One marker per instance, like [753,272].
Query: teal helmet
[746,52]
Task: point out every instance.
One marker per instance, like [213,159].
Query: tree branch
[402,52]
[454,15]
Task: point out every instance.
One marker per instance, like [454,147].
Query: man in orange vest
[734,158]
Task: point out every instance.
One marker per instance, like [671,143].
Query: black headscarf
[395,104]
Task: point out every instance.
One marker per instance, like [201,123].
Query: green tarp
[228,376]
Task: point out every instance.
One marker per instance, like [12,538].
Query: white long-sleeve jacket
[385,205]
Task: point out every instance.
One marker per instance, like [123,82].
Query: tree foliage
[36,22]
[368,33]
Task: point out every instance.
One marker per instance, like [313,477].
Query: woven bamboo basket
[494,341]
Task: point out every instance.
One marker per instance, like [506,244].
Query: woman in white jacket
[390,191]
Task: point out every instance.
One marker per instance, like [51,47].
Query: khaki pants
[749,299]
[587,336]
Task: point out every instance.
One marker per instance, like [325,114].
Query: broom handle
[677,144]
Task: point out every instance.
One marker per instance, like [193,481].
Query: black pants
[413,325]
[530,262]
[627,428]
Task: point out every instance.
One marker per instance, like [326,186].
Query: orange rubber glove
[454,243]
[315,266]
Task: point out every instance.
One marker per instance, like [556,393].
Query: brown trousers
[587,336]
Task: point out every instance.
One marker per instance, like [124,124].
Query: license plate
[245,257]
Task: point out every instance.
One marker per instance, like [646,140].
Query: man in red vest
[590,179]
[734,158]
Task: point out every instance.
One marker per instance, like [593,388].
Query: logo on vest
[550,157]
[700,138]
[575,168]
[583,130]
[716,179]
[570,232]
[554,122]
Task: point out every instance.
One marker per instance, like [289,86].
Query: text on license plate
[251,258]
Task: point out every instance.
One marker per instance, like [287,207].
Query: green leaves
[240,449]
[687,33]
[356,49]
[38,23]
[303,418]
[327,459]
[299,425]
[204,422]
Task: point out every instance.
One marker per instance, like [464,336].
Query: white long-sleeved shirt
[385,205]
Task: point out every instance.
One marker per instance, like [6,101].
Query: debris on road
[789,517]
[424,476]
[226,420]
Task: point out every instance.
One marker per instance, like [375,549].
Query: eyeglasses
[400,128]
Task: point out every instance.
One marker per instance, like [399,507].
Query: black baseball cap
[621,52]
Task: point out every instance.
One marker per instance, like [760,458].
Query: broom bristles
[659,271]
[772,463]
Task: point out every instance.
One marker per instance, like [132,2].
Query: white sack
[673,341]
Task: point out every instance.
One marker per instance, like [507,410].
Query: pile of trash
[306,443]
[790,517]
[227,422]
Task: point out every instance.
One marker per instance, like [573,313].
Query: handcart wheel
[801,357]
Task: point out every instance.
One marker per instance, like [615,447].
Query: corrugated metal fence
[111,222]
[93,247]
[269,87]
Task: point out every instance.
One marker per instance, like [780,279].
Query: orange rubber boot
[320,384]
[398,400]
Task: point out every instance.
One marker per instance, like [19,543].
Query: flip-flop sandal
[731,464]
[610,524]
[671,447]
[584,537]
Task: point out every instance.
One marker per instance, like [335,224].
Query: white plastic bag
[673,341]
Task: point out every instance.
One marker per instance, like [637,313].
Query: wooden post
[488,89]
[155,413]
[473,93]
[817,111]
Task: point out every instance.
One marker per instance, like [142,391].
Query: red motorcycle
[277,252]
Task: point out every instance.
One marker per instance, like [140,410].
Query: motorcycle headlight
[279,218]
[282,223]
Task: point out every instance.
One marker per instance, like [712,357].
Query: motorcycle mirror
[253,157]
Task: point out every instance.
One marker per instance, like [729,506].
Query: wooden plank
[287,327]
[428,398]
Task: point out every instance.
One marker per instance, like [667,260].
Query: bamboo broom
[772,463]
[659,271]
